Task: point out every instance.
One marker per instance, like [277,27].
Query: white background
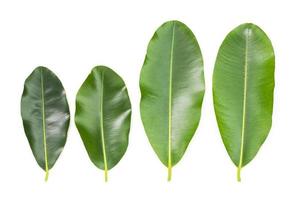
[71,37]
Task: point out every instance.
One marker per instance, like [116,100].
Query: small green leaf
[103,113]
[172,89]
[46,117]
[243,85]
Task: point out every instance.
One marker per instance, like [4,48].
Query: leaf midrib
[44,124]
[170,107]
[244,106]
[102,129]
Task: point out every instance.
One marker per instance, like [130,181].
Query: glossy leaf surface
[102,117]
[243,84]
[45,114]
[172,89]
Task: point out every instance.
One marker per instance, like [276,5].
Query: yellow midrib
[44,125]
[244,108]
[170,108]
[102,129]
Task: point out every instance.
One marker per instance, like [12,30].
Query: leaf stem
[169,173]
[46,175]
[239,174]
[105,175]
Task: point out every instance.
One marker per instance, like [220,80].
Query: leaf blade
[103,114]
[45,115]
[172,64]
[243,85]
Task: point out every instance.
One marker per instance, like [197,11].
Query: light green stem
[169,173]
[46,175]
[239,174]
[105,175]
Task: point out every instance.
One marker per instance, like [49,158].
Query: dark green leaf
[172,88]
[243,85]
[102,117]
[45,114]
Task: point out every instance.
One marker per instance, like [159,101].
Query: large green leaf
[45,114]
[103,113]
[172,89]
[243,85]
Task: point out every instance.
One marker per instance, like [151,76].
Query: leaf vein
[244,107]
[44,124]
[102,129]
[170,107]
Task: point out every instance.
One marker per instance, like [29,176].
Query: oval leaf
[243,85]
[103,113]
[172,89]
[46,116]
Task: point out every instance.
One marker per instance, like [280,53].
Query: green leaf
[103,113]
[243,85]
[46,117]
[172,89]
